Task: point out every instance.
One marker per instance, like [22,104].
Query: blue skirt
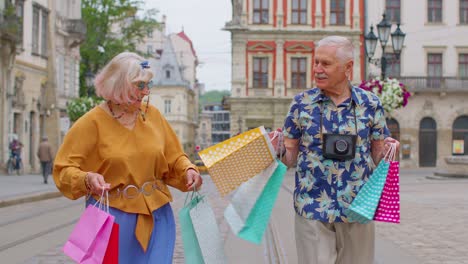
[162,241]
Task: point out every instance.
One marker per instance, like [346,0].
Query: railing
[443,84]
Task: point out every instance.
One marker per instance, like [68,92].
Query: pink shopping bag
[388,209]
[88,241]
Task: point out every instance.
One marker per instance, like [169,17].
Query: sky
[202,21]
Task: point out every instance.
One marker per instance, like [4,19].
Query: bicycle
[11,165]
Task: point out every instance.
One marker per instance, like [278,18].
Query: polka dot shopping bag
[388,209]
[364,207]
[238,159]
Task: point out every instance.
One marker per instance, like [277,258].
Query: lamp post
[89,80]
[383,30]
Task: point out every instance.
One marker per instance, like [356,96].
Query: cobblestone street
[434,214]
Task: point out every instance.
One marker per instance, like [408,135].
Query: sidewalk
[15,189]
[278,245]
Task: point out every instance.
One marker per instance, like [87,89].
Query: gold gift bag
[236,160]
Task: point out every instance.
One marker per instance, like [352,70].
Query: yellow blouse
[150,151]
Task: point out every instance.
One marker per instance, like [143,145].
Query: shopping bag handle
[390,155]
[280,143]
[103,204]
[192,194]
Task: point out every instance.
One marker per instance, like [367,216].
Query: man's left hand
[194,180]
[388,141]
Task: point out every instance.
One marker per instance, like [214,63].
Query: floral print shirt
[326,187]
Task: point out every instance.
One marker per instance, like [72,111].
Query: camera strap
[353,105]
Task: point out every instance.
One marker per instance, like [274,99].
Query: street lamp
[89,80]
[383,30]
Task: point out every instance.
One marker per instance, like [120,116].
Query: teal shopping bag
[192,251]
[200,233]
[258,218]
[363,207]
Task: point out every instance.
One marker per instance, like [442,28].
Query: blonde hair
[345,48]
[116,81]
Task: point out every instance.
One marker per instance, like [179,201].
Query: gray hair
[345,48]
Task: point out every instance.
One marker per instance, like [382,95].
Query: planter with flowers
[391,92]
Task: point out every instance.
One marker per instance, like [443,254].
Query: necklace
[143,114]
[109,105]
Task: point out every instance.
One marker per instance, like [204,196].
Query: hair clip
[145,65]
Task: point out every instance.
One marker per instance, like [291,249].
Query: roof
[186,38]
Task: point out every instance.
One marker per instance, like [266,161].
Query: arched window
[394,128]
[427,142]
[460,136]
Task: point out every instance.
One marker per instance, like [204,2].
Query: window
[260,11]
[60,74]
[463,65]
[149,33]
[35,30]
[168,74]
[393,10]
[260,72]
[393,65]
[44,28]
[460,132]
[299,12]
[40,24]
[434,11]
[434,70]
[337,12]
[463,11]
[298,73]
[167,106]
[20,15]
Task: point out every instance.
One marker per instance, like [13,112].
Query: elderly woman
[130,150]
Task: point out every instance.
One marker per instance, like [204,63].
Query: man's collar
[320,96]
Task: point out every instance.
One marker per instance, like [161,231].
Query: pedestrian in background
[333,135]
[129,149]
[45,155]
[16,148]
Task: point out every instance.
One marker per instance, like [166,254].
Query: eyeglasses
[131,191]
[141,85]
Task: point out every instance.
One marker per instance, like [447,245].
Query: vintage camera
[337,146]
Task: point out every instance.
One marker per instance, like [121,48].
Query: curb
[29,198]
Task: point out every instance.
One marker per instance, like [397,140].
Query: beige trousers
[336,243]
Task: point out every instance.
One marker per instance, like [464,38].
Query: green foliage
[213,96]
[103,18]
[79,106]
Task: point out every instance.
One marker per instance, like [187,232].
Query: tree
[112,27]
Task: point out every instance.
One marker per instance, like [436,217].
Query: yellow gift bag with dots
[236,160]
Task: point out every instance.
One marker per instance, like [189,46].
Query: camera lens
[341,146]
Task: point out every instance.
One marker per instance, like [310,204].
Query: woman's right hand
[96,183]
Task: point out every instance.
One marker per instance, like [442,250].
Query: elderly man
[45,155]
[334,134]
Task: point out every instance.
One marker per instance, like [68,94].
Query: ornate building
[273,52]
[176,89]
[433,128]
[44,75]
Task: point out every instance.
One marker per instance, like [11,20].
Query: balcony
[9,25]
[77,30]
[434,84]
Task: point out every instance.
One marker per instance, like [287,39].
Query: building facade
[220,122]
[433,128]
[273,53]
[175,92]
[44,75]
